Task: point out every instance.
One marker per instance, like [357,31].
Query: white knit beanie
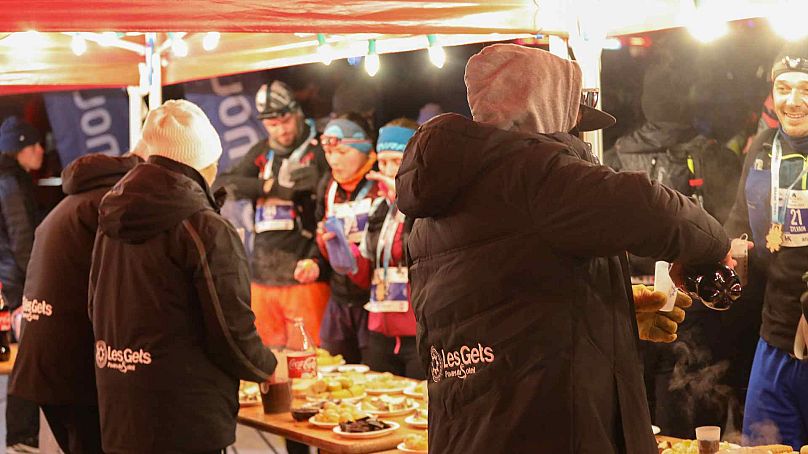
[180,131]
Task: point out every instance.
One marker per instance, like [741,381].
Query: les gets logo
[123,361]
[460,363]
[32,310]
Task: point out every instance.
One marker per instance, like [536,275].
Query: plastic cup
[276,397]
[708,438]
[739,250]
[663,283]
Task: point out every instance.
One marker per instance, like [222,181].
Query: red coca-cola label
[5,322]
[302,365]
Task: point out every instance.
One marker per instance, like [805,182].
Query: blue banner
[229,102]
[89,121]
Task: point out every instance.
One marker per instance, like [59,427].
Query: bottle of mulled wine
[717,285]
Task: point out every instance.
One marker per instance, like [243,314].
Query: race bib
[795,231]
[354,216]
[274,215]
[389,295]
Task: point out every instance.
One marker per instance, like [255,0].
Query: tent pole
[587,34]
[155,64]
[135,114]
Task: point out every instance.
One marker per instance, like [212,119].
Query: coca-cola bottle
[301,354]
[5,328]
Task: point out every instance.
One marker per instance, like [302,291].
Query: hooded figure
[169,297]
[54,365]
[526,319]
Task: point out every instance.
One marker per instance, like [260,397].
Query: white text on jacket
[33,309]
[123,361]
[459,363]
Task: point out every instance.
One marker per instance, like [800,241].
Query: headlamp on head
[789,64]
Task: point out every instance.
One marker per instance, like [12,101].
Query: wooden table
[6,366]
[327,441]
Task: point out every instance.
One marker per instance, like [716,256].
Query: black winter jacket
[55,362]
[19,217]
[170,305]
[276,253]
[526,324]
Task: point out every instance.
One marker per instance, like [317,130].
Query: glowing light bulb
[211,41]
[324,50]
[372,63]
[78,44]
[179,47]
[704,20]
[786,20]
[436,53]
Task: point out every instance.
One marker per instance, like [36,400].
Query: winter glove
[654,325]
[305,178]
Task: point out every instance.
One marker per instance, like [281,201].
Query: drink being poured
[717,286]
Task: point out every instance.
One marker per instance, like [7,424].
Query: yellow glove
[654,325]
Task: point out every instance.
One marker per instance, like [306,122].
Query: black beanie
[793,57]
[665,95]
[16,134]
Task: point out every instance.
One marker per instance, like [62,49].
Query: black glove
[305,179]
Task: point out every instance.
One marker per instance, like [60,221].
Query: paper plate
[403,448]
[401,412]
[360,435]
[411,392]
[655,430]
[352,400]
[360,368]
[322,425]
[330,367]
[396,390]
[417,423]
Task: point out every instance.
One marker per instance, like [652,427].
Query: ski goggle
[589,97]
[333,141]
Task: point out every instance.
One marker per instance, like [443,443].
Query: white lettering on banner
[459,363]
[123,361]
[234,111]
[96,123]
[32,310]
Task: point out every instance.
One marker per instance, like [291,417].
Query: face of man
[30,157]
[283,130]
[790,95]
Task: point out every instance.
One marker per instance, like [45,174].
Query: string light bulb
[324,49]
[211,41]
[787,20]
[178,46]
[703,22]
[78,44]
[372,63]
[436,53]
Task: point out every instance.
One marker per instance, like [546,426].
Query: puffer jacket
[19,217]
[526,324]
[169,298]
[55,361]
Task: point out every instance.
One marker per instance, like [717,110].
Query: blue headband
[346,129]
[394,138]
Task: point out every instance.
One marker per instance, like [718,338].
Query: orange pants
[273,305]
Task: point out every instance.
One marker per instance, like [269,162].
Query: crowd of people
[500,236]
